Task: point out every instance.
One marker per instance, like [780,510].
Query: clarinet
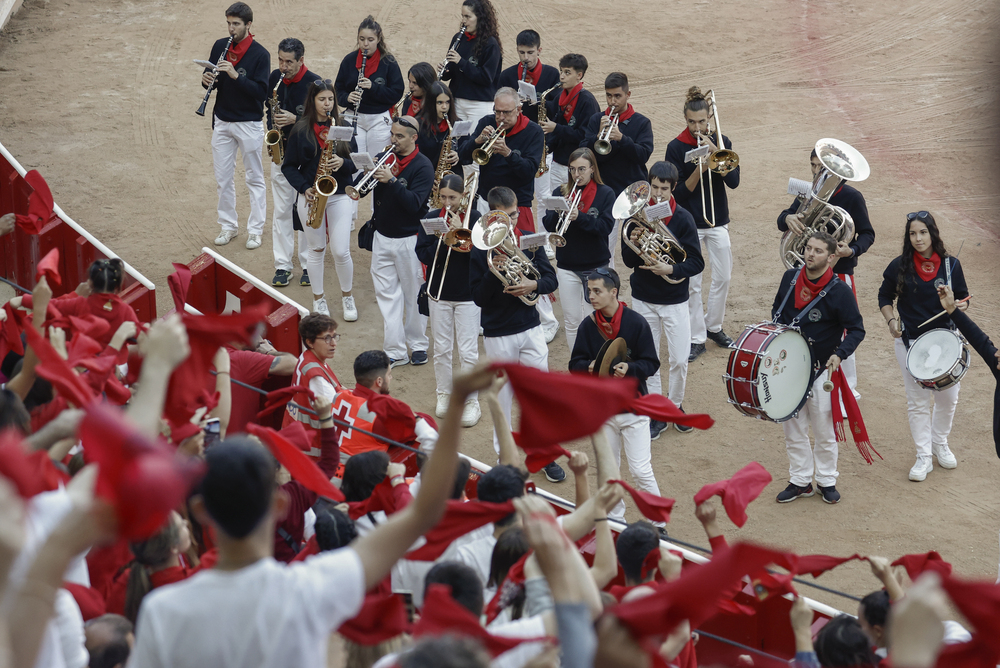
[215,75]
[358,89]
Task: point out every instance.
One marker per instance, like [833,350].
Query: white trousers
[453,322]
[543,188]
[613,242]
[930,412]
[805,461]
[374,132]
[720,259]
[632,431]
[557,174]
[396,275]
[336,227]
[248,138]
[282,235]
[575,305]
[673,320]
[526,347]
[472,110]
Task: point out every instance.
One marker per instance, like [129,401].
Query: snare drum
[938,359]
[769,372]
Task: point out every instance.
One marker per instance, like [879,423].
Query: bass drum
[938,359]
[769,372]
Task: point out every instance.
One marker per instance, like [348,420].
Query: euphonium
[482,155]
[543,117]
[654,242]
[603,143]
[273,137]
[368,182]
[841,162]
[442,168]
[494,234]
[558,238]
[325,186]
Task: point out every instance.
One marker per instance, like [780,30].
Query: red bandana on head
[806,290]
[568,100]
[927,267]
[522,122]
[237,51]
[587,196]
[624,116]
[687,138]
[370,65]
[533,74]
[321,130]
[609,328]
[298,75]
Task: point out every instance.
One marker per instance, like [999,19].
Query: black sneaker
[682,428]
[656,428]
[554,472]
[793,492]
[830,494]
[418,357]
[696,350]
[721,339]
[305,278]
[281,278]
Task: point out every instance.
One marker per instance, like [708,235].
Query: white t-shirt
[478,554]
[265,615]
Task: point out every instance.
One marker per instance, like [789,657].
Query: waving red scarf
[40,204]
[302,469]
[459,518]
[737,492]
[48,267]
[651,506]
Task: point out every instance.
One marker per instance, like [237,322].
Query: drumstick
[828,384]
[932,319]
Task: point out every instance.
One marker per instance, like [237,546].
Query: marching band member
[585,250]
[302,161]
[236,123]
[419,79]
[631,141]
[474,65]
[610,320]
[568,114]
[911,281]
[295,79]
[852,201]
[714,234]
[372,93]
[512,330]
[454,316]
[664,304]
[434,119]
[823,320]
[319,341]
[399,202]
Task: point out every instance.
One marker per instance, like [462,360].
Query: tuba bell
[495,235]
[841,162]
[654,242]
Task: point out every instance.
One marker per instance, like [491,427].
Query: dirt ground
[912,85]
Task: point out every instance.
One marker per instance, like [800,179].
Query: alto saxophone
[442,168]
[543,117]
[272,139]
[325,186]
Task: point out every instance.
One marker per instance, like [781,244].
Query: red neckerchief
[688,138]
[927,268]
[416,104]
[370,65]
[298,75]
[609,329]
[522,122]
[402,162]
[321,130]
[568,100]
[587,196]
[443,126]
[673,207]
[237,51]
[532,74]
[627,114]
[805,289]
[470,36]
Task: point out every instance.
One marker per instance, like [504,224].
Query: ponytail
[695,100]
[151,553]
[107,275]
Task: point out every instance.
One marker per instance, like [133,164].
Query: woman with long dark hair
[419,79]
[911,281]
[474,65]
[302,160]
[435,115]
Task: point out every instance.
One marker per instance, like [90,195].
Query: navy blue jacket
[853,202]
[302,160]
[546,80]
[430,144]
[505,314]
[456,279]
[587,236]
[568,135]
[981,342]
[399,205]
[474,77]
[626,163]
[691,199]
[919,300]
[652,289]
[516,171]
[387,84]
[643,361]
[290,98]
[241,99]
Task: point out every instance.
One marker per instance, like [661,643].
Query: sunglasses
[918,215]
[607,274]
[402,120]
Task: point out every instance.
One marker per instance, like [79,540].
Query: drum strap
[808,307]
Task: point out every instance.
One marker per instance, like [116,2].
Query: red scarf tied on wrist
[806,290]
[298,75]
[609,328]
[370,65]
[841,390]
[533,74]
[927,267]
[624,116]
[568,100]
[522,122]
[237,51]
[587,196]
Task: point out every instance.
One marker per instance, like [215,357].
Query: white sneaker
[550,332]
[225,236]
[350,310]
[442,404]
[471,413]
[253,241]
[946,458]
[319,306]
[920,470]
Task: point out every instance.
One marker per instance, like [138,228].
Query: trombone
[603,143]
[482,155]
[368,182]
[459,237]
[558,238]
[723,160]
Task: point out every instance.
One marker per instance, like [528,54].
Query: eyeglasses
[330,338]
[504,112]
[918,215]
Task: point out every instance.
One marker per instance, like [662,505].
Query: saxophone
[442,168]
[325,185]
[543,117]
[272,139]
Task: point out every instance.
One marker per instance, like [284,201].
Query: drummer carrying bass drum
[823,307]
[912,280]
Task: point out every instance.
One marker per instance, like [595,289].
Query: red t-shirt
[104,561]
[107,306]
[251,368]
[115,594]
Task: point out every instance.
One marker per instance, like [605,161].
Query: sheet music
[434,225]
[555,203]
[463,128]
[341,133]
[363,161]
[208,64]
[658,211]
[695,153]
[527,91]
[532,241]
[799,187]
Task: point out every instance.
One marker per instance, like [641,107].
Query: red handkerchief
[48,267]
[737,492]
[302,469]
[40,204]
[460,518]
[382,618]
[651,506]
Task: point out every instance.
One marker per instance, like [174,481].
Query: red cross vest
[354,410]
[308,367]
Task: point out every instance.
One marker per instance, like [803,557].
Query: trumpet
[368,182]
[482,155]
[654,243]
[494,234]
[454,45]
[603,143]
[273,137]
[558,238]
[215,76]
[459,237]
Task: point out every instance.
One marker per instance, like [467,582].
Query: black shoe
[793,492]
[830,494]
[696,350]
[305,278]
[418,357]
[656,428]
[554,472]
[281,278]
[684,429]
[721,339]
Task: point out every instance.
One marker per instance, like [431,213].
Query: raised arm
[164,347]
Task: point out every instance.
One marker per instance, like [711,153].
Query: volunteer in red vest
[319,336]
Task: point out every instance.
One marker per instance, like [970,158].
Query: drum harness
[794,324]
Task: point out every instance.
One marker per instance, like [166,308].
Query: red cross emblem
[343,412]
